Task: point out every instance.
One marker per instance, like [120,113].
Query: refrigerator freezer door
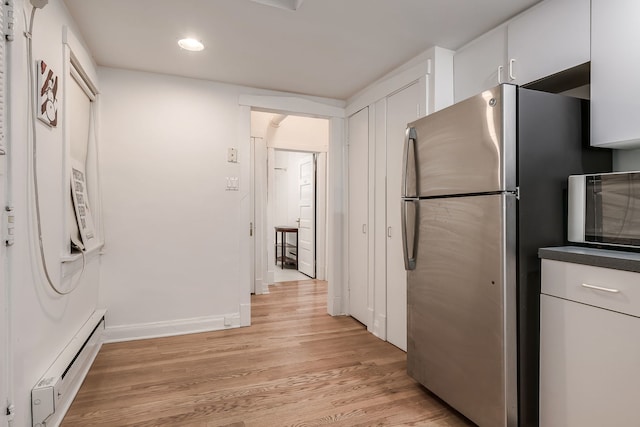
[461,306]
[409,166]
[467,148]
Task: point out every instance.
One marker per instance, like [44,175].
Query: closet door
[402,108]
[4,303]
[358,215]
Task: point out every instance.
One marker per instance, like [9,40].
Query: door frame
[336,196]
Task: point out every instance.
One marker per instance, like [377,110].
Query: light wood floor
[295,366]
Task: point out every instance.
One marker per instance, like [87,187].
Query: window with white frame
[81,141]
[81,227]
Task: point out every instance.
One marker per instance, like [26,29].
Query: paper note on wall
[81,205]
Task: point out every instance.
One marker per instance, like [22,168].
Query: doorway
[289,157]
[294,203]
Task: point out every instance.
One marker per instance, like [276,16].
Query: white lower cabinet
[589,355]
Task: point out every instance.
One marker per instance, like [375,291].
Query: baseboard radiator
[52,396]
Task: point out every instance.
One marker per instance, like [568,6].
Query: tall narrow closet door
[358,215]
[4,303]
[402,108]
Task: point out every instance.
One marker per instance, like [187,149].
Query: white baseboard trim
[245,314]
[370,320]
[380,326]
[172,327]
[334,306]
[263,289]
[271,277]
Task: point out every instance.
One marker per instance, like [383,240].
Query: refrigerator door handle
[410,214]
[409,166]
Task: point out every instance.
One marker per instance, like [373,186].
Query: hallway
[295,366]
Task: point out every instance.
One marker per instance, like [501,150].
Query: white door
[358,213]
[402,108]
[306,229]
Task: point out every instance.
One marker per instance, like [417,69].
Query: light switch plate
[232,155]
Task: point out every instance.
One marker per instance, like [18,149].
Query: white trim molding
[245,314]
[172,327]
[291,104]
[380,326]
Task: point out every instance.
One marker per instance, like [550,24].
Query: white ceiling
[330,48]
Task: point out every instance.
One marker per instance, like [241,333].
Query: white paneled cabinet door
[358,215]
[589,365]
[549,38]
[480,65]
[615,69]
[306,230]
[402,108]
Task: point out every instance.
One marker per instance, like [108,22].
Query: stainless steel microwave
[604,209]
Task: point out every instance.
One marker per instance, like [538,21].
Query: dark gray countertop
[618,260]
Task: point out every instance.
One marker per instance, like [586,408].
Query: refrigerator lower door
[462,306]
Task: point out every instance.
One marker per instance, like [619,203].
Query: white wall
[42,323]
[174,237]
[173,229]
[294,132]
[300,133]
[626,160]
[172,258]
[280,194]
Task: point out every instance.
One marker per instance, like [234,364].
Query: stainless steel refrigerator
[483,189]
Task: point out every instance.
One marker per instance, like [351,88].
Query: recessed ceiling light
[191,44]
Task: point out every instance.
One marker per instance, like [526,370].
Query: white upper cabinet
[480,65]
[544,40]
[547,39]
[615,71]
